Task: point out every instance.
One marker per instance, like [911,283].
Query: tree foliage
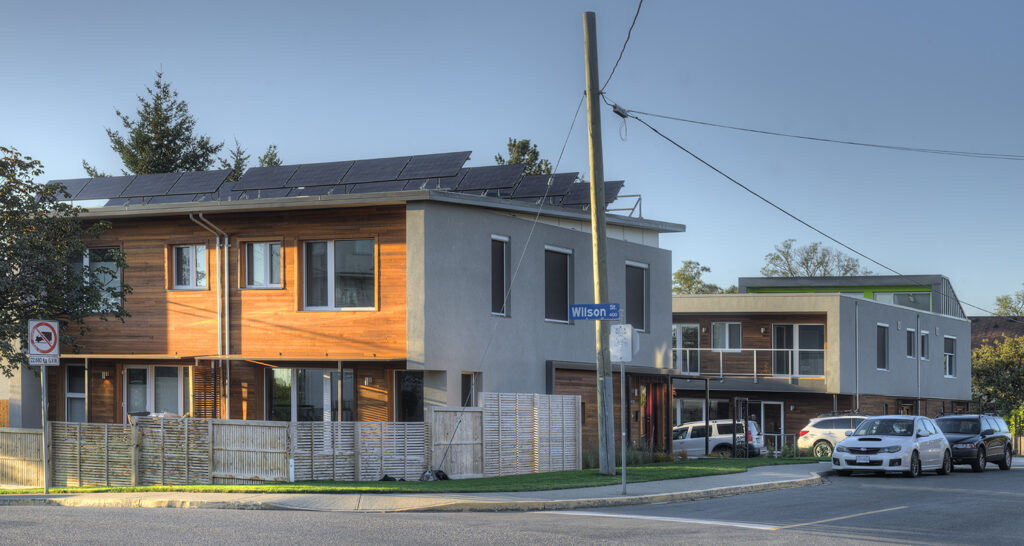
[270,157]
[1010,305]
[688,280]
[162,138]
[813,260]
[237,161]
[522,151]
[998,375]
[41,273]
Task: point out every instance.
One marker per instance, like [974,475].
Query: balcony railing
[751,363]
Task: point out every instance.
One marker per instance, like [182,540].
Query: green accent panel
[868,291]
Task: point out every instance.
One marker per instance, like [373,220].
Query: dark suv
[977,440]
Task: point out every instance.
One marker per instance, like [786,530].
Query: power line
[630,113]
[623,50]
[977,155]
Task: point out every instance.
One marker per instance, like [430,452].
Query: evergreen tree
[237,162]
[521,151]
[270,157]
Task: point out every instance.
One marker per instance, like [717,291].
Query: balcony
[751,363]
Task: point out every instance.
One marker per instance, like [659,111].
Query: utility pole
[605,405]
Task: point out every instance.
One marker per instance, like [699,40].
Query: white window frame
[888,348]
[86,262]
[76,395]
[924,345]
[151,387]
[508,281]
[795,359]
[728,338]
[679,350]
[569,286]
[193,272]
[913,344]
[330,276]
[269,268]
[948,358]
[647,293]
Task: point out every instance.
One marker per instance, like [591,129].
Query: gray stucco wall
[23,392]
[860,318]
[450,325]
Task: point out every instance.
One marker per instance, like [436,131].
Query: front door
[770,416]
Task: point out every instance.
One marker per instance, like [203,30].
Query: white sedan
[894,443]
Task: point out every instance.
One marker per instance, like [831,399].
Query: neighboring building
[986,330]
[794,355]
[365,290]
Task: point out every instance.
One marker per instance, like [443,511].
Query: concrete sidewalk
[762,478]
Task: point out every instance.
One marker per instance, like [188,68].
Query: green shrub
[634,456]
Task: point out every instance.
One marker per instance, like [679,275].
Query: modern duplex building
[354,290]
[794,348]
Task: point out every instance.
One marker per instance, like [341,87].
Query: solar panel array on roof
[310,190]
[71,185]
[150,184]
[320,174]
[104,188]
[370,187]
[258,178]
[376,170]
[164,199]
[536,185]
[199,182]
[434,165]
[579,194]
[490,178]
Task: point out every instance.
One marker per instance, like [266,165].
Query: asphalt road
[964,508]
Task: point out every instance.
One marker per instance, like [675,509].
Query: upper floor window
[911,343]
[882,346]
[499,275]
[103,264]
[949,356]
[916,300]
[557,283]
[637,289]
[263,265]
[340,274]
[924,345]
[189,267]
[726,335]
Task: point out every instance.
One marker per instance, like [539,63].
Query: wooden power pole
[605,405]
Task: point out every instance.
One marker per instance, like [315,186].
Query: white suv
[690,436]
[824,432]
[894,443]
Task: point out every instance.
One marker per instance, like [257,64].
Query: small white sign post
[44,351]
[623,344]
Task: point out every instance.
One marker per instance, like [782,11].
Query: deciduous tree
[998,377]
[1010,305]
[813,260]
[688,280]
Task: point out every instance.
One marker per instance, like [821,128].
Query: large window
[686,348]
[408,396]
[156,389]
[304,394]
[189,267]
[75,394]
[637,290]
[340,275]
[799,349]
[557,283]
[263,265]
[103,264]
[726,336]
[499,275]
[917,300]
[949,356]
[882,346]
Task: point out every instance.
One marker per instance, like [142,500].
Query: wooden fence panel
[91,454]
[465,456]
[525,433]
[249,451]
[21,457]
[173,451]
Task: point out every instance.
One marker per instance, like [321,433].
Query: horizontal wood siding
[263,322]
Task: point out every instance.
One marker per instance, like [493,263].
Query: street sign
[623,343]
[594,311]
[43,343]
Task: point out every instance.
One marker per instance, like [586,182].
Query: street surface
[964,508]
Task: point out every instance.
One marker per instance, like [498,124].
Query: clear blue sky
[345,80]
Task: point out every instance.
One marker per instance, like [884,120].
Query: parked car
[978,440]
[690,436]
[822,433]
[894,443]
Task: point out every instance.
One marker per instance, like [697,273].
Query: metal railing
[781,446]
[755,363]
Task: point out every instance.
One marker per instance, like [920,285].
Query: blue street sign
[594,311]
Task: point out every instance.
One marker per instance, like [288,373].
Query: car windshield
[960,426]
[885,427]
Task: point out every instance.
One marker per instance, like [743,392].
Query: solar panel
[310,190]
[258,178]
[536,185]
[164,199]
[104,188]
[199,182]
[229,195]
[320,174]
[72,185]
[579,194]
[369,187]
[489,178]
[206,197]
[269,193]
[434,165]
[146,185]
[375,170]
[612,189]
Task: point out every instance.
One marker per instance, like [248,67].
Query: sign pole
[622,425]
[44,351]
[46,463]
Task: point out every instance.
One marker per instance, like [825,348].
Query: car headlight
[965,445]
[841,448]
[890,449]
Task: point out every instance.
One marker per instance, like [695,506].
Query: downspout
[917,350]
[205,224]
[227,314]
[856,351]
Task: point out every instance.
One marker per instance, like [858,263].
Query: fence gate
[465,456]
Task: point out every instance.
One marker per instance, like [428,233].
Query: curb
[817,478]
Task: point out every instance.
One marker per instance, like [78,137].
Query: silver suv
[822,434]
[690,436]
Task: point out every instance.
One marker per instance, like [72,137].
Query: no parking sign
[43,343]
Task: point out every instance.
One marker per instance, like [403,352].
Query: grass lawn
[526,482]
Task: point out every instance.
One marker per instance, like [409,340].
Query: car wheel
[1007,461]
[979,464]
[722,451]
[915,466]
[947,465]
[844,472]
[822,449]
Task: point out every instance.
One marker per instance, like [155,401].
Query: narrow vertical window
[190,266]
[75,394]
[637,290]
[924,345]
[911,343]
[263,265]
[499,276]
[949,356]
[557,286]
[882,346]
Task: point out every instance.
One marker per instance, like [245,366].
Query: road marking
[758,526]
[838,518]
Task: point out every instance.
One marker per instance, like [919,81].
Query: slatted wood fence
[358,451]
[92,455]
[526,433]
[21,457]
[173,451]
[250,451]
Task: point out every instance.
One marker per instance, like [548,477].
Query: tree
[521,151]
[813,260]
[237,161]
[1010,305]
[998,377]
[41,261]
[687,280]
[162,139]
[270,157]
